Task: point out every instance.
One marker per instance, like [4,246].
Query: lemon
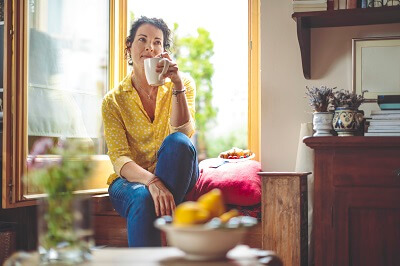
[228,215]
[213,202]
[189,213]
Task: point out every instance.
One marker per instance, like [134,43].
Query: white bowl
[202,242]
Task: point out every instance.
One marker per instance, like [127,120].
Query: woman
[147,131]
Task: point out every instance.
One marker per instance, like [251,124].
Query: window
[61,57]
[222,97]
[68,54]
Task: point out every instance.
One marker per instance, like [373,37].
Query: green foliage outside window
[225,142]
[193,54]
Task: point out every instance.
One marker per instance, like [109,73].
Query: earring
[130,62]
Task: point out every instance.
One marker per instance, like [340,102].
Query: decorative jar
[347,121]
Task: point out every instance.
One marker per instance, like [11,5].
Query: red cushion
[239,182]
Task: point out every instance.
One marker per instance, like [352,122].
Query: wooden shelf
[338,18]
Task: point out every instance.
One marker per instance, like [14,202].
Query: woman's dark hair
[156,22]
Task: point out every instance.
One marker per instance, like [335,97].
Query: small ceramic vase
[322,123]
[347,121]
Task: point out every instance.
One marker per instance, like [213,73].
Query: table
[240,255]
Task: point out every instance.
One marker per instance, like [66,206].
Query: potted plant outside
[348,120]
[320,100]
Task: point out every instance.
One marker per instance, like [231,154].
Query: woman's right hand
[164,202]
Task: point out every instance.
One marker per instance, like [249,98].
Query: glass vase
[65,233]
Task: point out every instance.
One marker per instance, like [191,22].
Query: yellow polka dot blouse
[130,135]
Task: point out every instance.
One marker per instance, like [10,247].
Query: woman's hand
[172,72]
[164,202]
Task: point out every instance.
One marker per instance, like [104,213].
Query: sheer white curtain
[67,67]
[305,163]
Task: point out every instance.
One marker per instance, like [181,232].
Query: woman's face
[148,42]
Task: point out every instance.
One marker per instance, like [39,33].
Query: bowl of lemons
[204,229]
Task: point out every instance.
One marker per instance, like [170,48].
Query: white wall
[283,106]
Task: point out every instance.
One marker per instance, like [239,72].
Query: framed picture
[376,66]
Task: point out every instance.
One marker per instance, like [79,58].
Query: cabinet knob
[397,172]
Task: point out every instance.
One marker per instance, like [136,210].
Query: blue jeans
[177,167]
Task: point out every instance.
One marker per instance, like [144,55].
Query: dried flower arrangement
[345,98]
[320,98]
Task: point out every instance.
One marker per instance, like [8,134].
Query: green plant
[68,165]
[227,141]
[194,55]
[320,97]
[345,98]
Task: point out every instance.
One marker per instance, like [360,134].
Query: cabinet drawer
[367,167]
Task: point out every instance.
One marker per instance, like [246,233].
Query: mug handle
[166,65]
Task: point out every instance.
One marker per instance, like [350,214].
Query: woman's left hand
[164,202]
[172,72]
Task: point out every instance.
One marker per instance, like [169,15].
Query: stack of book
[384,123]
[309,5]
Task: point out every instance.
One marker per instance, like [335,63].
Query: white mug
[154,78]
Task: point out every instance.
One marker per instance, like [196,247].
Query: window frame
[15,139]
[254,96]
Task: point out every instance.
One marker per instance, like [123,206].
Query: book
[384,130]
[385,116]
[388,99]
[308,9]
[382,134]
[384,112]
[389,106]
[351,4]
[307,6]
[309,2]
[304,4]
[342,4]
[331,5]
[393,122]
[384,127]
[363,3]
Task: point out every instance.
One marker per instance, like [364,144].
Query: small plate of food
[236,155]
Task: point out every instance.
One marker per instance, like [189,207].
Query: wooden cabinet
[337,18]
[356,200]
[284,216]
